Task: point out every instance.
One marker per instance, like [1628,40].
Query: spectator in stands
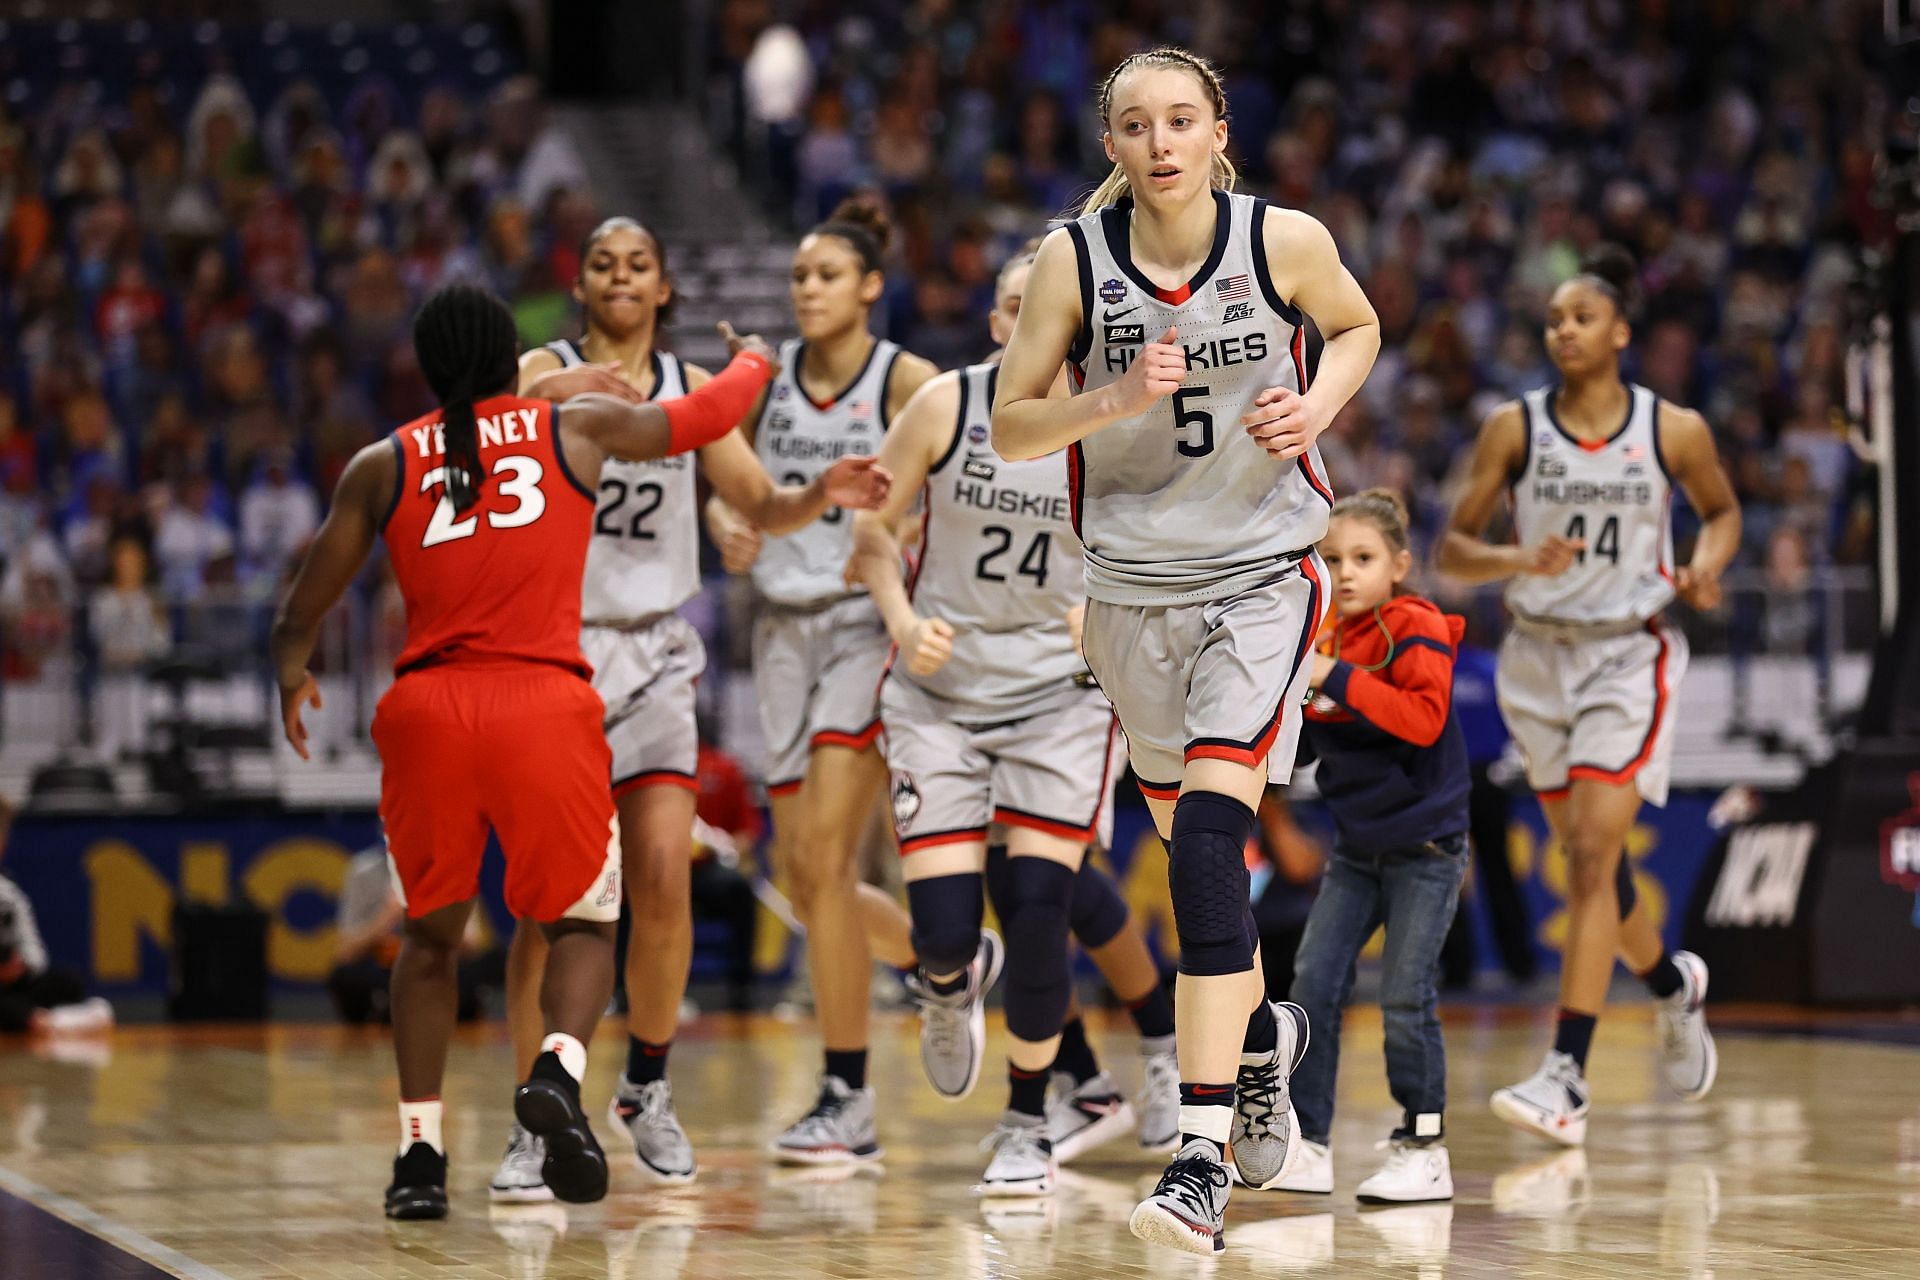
[189,537]
[35,996]
[129,631]
[278,514]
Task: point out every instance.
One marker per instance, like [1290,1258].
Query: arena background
[218,219]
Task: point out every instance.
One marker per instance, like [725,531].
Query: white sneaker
[1413,1173]
[1084,1117]
[1158,1103]
[1263,1119]
[518,1179]
[1689,1060]
[1310,1169]
[1022,1163]
[953,1028]
[838,1131]
[1552,1102]
[660,1145]
[1188,1206]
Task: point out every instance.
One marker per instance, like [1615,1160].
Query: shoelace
[1014,1135]
[1259,1094]
[520,1144]
[826,1109]
[1194,1178]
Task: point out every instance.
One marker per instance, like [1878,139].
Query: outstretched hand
[857,483]
[584,379]
[292,702]
[736,343]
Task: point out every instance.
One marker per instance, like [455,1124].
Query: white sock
[572,1054]
[1207,1122]
[420,1122]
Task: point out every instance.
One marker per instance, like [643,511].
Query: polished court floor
[261,1153]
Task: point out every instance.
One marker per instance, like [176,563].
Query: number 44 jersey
[645,555]
[999,561]
[1614,495]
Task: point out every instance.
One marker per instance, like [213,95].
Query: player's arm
[736,536]
[1687,452]
[1027,423]
[920,434]
[1306,269]
[339,550]
[579,380]
[747,492]
[1464,552]
[534,365]
[595,427]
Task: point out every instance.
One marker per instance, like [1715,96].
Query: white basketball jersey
[1000,561]
[1613,495]
[798,438]
[644,558]
[1179,505]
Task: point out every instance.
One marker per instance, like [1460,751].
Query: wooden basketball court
[261,1153]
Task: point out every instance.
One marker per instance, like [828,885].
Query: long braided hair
[1222,174]
[469,349]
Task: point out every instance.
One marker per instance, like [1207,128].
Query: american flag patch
[1234,288]
[861,408]
[1633,453]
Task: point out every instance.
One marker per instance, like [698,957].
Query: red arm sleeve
[1410,699]
[700,417]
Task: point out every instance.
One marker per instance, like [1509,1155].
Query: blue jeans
[1414,893]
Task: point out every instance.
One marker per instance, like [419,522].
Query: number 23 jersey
[500,580]
[1614,495]
[1179,505]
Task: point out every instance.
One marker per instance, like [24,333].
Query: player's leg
[426,999]
[656,848]
[555,819]
[889,927]
[822,825]
[1123,959]
[518,1180]
[1036,914]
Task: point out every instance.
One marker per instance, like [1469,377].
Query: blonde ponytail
[1221,173]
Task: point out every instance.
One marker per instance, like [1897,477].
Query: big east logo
[1900,844]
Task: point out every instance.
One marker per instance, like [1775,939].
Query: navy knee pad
[1207,876]
[1623,885]
[996,875]
[1099,912]
[1039,983]
[946,921]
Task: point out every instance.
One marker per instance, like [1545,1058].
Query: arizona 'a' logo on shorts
[906,799]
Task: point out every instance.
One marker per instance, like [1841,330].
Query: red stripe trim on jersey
[1154,791]
[859,739]
[1034,822]
[1106,775]
[1174,297]
[1555,793]
[785,788]
[1299,348]
[1079,376]
[1075,466]
[1594,773]
[968,835]
[1252,753]
[655,778]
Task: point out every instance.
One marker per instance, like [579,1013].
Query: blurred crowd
[209,263]
[1464,155]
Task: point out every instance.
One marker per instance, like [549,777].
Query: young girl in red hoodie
[1394,773]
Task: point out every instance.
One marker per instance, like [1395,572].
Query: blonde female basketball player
[819,648]
[1199,495]
[1587,673]
[642,565]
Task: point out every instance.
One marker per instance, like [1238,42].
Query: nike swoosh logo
[1110,315]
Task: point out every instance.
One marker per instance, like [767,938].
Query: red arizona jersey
[500,580]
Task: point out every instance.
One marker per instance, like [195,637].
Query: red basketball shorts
[511,746]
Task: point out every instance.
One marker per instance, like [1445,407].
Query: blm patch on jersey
[906,800]
[1124,334]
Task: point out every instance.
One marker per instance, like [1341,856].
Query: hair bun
[868,213]
[1615,265]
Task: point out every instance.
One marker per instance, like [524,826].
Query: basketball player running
[1085,1110]
[819,648]
[492,657]
[990,719]
[1198,494]
[642,565]
[1587,673]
